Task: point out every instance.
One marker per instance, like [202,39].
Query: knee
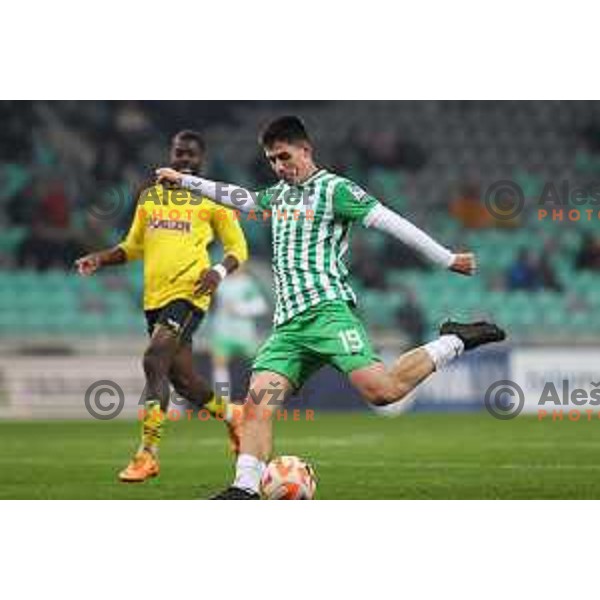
[154,361]
[257,411]
[190,386]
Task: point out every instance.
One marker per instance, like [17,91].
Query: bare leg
[380,386]
[158,358]
[193,387]
[187,383]
[268,391]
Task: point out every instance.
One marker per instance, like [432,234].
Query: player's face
[291,162]
[186,156]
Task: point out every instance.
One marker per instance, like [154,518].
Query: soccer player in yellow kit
[170,231]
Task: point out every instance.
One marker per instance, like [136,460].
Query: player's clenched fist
[166,175]
[86,265]
[465,264]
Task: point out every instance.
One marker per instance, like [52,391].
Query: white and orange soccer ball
[288,478]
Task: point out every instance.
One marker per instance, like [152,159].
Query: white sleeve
[226,194]
[384,219]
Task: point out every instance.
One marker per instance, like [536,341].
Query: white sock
[444,349]
[248,472]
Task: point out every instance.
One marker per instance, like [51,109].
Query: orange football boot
[143,466]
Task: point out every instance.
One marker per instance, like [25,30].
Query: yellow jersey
[171,232]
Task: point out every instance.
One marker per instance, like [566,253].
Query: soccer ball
[288,478]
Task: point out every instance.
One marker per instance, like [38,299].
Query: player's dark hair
[189,135]
[288,129]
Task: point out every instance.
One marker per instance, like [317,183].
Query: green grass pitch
[355,455]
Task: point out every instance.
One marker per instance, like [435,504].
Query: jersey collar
[312,178]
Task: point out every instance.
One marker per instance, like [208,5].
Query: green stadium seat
[380,308]
[11,238]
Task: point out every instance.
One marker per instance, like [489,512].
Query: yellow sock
[218,407]
[152,426]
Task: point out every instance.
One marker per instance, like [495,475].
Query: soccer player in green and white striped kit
[315,324]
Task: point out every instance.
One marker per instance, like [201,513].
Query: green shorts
[327,334]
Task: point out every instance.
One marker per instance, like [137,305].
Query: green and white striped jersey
[310,226]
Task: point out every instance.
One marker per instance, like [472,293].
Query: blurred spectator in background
[366,265]
[468,209]
[411,156]
[389,150]
[587,157]
[547,275]
[590,134]
[108,163]
[131,121]
[54,204]
[588,255]
[399,257]
[411,319]
[93,233]
[532,272]
[22,206]
[18,120]
[46,247]
[346,155]
[50,242]
[523,273]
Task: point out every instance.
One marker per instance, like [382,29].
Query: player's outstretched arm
[130,248]
[384,219]
[227,194]
[89,264]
